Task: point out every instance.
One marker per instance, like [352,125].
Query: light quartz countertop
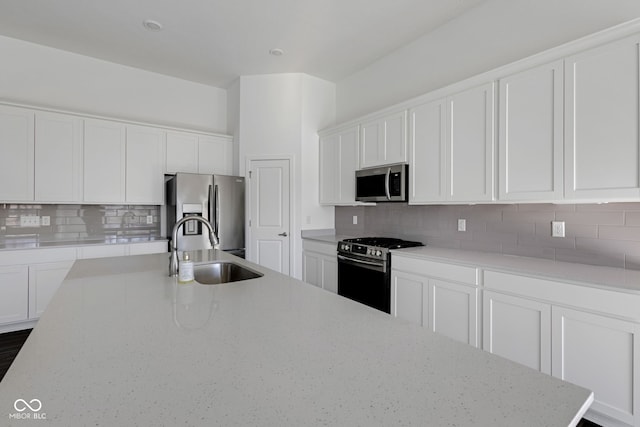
[123,344]
[616,279]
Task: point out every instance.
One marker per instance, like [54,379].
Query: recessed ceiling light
[152,25]
[276,52]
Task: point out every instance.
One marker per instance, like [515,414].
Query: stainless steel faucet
[173,260]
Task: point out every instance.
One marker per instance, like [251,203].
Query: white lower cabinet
[453,311]
[14,297]
[440,296]
[602,354]
[44,281]
[585,335]
[320,265]
[410,297]
[518,329]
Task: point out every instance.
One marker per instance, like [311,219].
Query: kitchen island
[123,344]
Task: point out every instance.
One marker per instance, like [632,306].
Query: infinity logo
[35,408]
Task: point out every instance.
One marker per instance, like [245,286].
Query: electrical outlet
[29,221]
[355,219]
[45,221]
[557,228]
[462,225]
[149,219]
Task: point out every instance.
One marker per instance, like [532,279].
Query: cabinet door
[395,138]
[454,311]
[58,158]
[104,161]
[531,134]
[329,270]
[601,354]
[471,145]
[182,152]
[338,163]
[427,147]
[410,297]
[145,170]
[518,329]
[371,144]
[215,155]
[16,161]
[348,160]
[14,294]
[330,169]
[602,157]
[384,141]
[44,281]
[311,268]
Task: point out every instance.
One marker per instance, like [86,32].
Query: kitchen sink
[219,272]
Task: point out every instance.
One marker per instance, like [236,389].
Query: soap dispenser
[185,270]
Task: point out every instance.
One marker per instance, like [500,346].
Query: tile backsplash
[598,234]
[77,223]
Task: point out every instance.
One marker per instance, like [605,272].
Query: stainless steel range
[364,269]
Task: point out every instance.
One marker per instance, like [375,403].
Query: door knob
[283,234]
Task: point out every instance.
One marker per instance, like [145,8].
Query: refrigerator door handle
[217,211]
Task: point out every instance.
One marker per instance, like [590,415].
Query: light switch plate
[149,219]
[45,221]
[355,219]
[462,225]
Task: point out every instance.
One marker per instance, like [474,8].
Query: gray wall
[599,234]
[77,223]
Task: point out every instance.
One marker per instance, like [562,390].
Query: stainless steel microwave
[383,184]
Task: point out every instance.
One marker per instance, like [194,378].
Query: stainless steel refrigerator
[217,198]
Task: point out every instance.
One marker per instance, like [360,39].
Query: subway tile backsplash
[77,223]
[597,234]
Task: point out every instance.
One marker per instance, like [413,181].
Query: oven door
[365,281]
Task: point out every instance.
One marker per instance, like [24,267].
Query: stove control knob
[378,253]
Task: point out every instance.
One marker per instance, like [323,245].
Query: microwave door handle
[386,184]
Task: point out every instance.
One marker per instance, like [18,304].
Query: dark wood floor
[10,345]
[11,342]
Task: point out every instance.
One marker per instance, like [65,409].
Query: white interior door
[270,214]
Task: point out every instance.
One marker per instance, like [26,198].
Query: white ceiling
[215,41]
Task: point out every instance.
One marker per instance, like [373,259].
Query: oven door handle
[364,264]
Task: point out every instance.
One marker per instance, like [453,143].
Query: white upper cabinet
[471,145]
[427,148]
[16,161]
[58,158]
[531,134]
[602,156]
[104,161]
[194,153]
[215,155]
[383,141]
[145,165]
[182,152]
[338,163]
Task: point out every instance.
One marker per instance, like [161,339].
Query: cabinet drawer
[330,249]
[602,300]
[148,248]
[102,251]
[439,270]
[33,256]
